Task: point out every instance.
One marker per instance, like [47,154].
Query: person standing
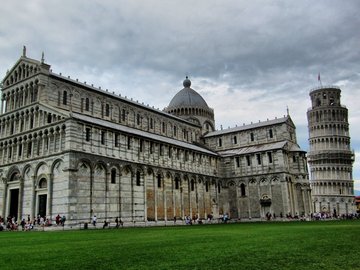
[63,219]
[94,220]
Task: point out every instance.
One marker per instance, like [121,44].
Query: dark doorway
[42,205]
[14,203]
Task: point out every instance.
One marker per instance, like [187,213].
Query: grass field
[283,245]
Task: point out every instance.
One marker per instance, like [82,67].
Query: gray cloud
[259,54]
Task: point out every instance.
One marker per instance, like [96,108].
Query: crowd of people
[11,224]
[27,224]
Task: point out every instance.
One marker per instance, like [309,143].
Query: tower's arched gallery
[69,148]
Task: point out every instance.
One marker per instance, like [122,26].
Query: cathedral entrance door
[14,203]
[42,205]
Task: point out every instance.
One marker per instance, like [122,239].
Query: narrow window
[138,120]
[159,181]
[242,190]
[237,159]
[87,134]
[116,139]
[177,183]
[170,154]
[129,142]
[59,98]
[271,133]
[192,185]
[123,115]
[65,97]
[269,157]
[248,160]
[151,123]
[12,128]
[28,149]
[87,104]
[10,151]
[107,110]
[31,122]
[294,158]
[20,149]
[235,140]
[141,145]
[175,131]
[138,178]
[220,142]
[258,157]
[113,176]
[161,150]
[103,134]
[49,118]
[219,187]
[252,136]
[207,186]
[163,127]
[151,147]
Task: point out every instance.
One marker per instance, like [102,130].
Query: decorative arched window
[15,177]
[42,183]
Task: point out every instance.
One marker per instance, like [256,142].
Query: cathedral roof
[187,98]
[251,126]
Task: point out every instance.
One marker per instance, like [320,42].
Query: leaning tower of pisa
[330,157]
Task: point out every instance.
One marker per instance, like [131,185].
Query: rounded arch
[15,176]
[42,167]
[14,170]
[55,163]
[127,169]
[84,163]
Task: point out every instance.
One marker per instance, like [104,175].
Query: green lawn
[283,245]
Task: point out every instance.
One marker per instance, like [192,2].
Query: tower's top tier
[325,96]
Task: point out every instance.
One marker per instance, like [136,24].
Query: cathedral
[69,148]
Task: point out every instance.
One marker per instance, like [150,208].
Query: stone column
[119,194]
[164,199]
[33,197]
[304,200]
[4,181]
[50,176]
[144,193]
[156,188]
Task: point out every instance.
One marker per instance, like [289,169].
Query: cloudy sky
[250,60]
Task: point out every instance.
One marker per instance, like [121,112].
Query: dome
[187,97]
